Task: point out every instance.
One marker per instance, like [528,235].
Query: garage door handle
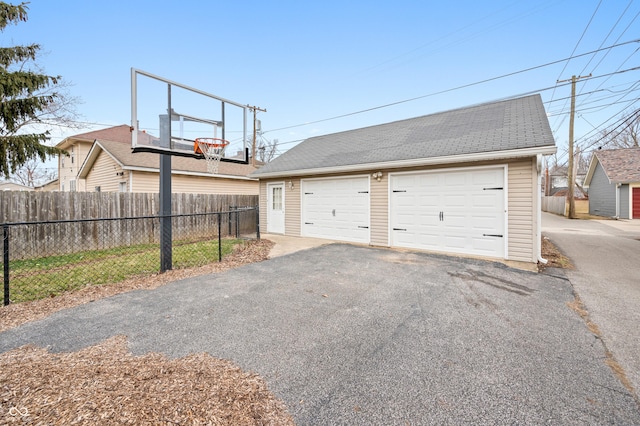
[363,227]
[334,212]
[399,229]
[308,223]
[492,235]
[493,189]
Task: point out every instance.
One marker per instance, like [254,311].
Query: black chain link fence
[43,259]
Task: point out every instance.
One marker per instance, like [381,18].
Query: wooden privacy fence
[94,221]
[554,205]
[22,206]
[560,205]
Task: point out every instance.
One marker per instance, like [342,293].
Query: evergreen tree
[24,96]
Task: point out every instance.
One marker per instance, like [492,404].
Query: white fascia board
[91,158]
[187,173]
[417,162]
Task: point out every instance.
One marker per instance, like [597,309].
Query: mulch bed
[105,384]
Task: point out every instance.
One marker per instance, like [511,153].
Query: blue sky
[309,61]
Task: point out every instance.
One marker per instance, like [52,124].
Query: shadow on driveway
[356,335]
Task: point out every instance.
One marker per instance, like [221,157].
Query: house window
[98,189]
[73,155]
[72,185]
[123,187]
[62,160]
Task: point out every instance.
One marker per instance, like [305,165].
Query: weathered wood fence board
[40,240]
[22,206]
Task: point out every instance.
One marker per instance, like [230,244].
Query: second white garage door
[336,208]
[461,211]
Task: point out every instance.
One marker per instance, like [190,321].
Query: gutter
[414,162]
[189,173]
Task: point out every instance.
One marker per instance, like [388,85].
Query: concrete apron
[285,244]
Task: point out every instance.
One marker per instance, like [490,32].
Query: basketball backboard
[167,117]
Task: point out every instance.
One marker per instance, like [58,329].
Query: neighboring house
[464,181]
[558,180]
[12,186]
[102,161]
[614,183]
[52,185]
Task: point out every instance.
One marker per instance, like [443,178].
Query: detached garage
[464,182]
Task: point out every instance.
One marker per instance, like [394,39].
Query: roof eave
[417,162]
[188,173]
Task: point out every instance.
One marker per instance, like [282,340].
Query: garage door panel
[336,209]
[488,200]
[453,201]
[458,211]
[457,221]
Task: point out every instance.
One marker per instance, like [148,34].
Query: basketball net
[212,149]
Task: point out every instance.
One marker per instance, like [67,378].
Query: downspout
[617,201]
[539,208]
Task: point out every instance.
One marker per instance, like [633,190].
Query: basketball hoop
[212,149]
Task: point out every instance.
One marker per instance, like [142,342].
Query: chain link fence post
[5,260]
[258,223]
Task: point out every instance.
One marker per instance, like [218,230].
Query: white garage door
[457,211]
[336,209]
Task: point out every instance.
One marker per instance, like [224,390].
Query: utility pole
[571,181]
[255,110]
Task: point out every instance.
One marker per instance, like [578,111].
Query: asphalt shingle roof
[117,142]
[496,126]
[620,165]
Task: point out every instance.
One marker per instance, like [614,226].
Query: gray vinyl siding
[624,202]
[602,194]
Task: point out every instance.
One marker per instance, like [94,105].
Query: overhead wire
[464,86]
[576,46]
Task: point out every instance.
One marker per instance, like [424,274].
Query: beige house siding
[522,206]
[207,185]
[292,218]
[188,184]
[69,166]
[105,174]
[263,205]
[379,210]
[144,182]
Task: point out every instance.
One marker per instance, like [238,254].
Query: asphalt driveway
[606,255]
[354,335]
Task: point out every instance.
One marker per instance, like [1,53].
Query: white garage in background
[464,181]
[456,211]
[336,208]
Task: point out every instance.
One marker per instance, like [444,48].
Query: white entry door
[336,208]
[275,208]
[461,211]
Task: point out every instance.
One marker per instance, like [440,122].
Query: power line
[560,112]
[630,119]
[451,89]
[576,46]
[605,39]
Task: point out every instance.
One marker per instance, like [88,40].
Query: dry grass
[20,313]
[577,306]
[105,384]
[554,257]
